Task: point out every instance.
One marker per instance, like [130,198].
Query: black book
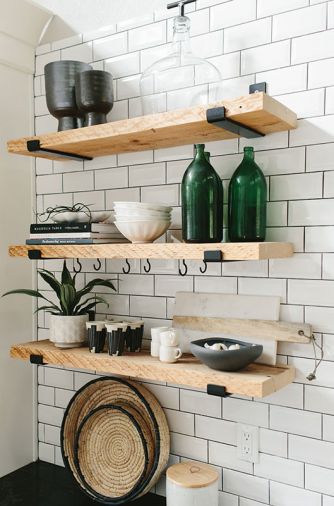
[62,228]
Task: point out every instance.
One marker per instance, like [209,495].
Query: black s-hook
[77,271]
[184,273]
[99,265]
[126,271]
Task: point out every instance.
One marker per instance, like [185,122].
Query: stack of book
[74,233]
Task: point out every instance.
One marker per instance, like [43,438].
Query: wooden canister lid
[192,475]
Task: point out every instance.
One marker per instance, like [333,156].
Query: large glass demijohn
[181,79]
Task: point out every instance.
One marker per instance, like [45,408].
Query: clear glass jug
[181,79]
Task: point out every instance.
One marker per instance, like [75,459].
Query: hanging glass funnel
[181,79]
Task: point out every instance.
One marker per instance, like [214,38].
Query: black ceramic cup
[116,338]
[96,336]
[94,95]
[60,92]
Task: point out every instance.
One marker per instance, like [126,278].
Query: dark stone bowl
[60,92]
[94,95]
[233,360]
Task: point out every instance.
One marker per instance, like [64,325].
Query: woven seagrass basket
[130,417]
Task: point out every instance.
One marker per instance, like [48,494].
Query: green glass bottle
[247,202]
[202,201]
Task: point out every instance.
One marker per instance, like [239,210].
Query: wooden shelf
[177,251]
[184,126]
[254,381]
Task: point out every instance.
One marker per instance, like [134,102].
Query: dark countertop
[42,484]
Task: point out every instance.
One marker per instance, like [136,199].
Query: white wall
[16,379]
[289,44]
[20,28]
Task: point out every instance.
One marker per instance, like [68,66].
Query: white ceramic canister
[192,484]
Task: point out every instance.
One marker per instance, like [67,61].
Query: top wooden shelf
[176,251]
[257,111]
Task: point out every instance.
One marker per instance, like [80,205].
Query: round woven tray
[149,415]
[111,452]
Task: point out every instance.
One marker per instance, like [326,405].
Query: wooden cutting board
[222,306]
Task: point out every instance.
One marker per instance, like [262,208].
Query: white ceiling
[23,20]
[79,16]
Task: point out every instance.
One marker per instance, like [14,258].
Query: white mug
[156,331]
[170,354]
[169,338]
[155,343]
[155,348]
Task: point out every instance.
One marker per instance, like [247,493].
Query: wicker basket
[111,452]
[134,405]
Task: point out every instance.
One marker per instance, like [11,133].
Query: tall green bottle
[202,201]
[247,202]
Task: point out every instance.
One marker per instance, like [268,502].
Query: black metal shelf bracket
[217,117]
[36,359]
[217,391]
[257,88]
[34,146]
[36,254]
[213,256]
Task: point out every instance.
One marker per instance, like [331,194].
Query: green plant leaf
[67,299]
[92,284]
[31,293]
[87,308]
[66,277]
[50,279]
[97,299]
[49,309]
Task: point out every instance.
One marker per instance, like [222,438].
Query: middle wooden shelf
[176,251]
[256,380]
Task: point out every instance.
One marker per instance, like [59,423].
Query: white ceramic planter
[68,331]
[192,484]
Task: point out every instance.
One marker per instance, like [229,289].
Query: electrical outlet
[248,442]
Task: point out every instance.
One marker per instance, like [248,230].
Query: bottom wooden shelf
[256,380]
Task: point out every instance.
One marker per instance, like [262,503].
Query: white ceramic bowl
[138,217]
[134,213]
[141,205]
[142,220]
[81,217]
[141,232]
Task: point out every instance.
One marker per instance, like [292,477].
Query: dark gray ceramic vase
[60,92]
[94,95]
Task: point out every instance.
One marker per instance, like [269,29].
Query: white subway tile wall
[290,45]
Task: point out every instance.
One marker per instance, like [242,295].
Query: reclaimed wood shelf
[255,381]
[177,251]
[256,111]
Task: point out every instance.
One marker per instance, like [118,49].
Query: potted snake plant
[68,317]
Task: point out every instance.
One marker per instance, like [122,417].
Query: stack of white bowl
[141,222]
